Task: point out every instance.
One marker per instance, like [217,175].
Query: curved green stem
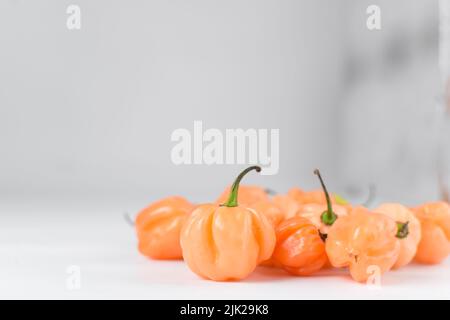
[233,198]
[328,217]
[402,230]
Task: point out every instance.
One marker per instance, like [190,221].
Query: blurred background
[87,115]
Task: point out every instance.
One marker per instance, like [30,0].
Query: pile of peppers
[301,232]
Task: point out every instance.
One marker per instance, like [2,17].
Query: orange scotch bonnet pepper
[272,212]
[288,205]
[158,227]
[362,240]
[314,196]
[322,215]
[297,199]
[300,247]
[227,242]
[409,243]
[434,245]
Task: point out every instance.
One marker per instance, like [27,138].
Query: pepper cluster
[301,232]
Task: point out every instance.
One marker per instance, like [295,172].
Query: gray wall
[89,113]
[92,110]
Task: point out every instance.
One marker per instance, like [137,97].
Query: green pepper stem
[233,198]
[402,230]
[328,217]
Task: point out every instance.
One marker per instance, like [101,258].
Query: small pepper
[296,199]
[322,215]
[411,233]
[300,249]
[361,240]
[275,216]
[272,212]
[434,245]
[158,227]
[314,196]
[227,242]
[288,205]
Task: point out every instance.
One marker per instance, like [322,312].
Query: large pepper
[227,242]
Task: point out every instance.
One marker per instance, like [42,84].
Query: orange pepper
[227,242]
[408,244]
[291,248]
[296,200]
[288,205]
[158,227]
[275,216]
[322,215]
[434,245]
[303,197]
[364,239]
[314,196]
[248,195]
[270,210]
[300,250]
[313,212]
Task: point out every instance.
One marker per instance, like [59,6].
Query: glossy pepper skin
[408,244]
[248,195]
[299,249]
[434,245]
[363,239]
[300,245]
[158,227]
[227,242]
[275,215]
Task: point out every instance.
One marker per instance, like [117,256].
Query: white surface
[39,242]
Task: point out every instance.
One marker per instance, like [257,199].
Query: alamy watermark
[373,21]
[73,281]
[233,146]
[374,279]
[73,21]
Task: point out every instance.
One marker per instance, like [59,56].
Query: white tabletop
[43,246]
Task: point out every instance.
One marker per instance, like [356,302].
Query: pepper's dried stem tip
[323,236]
[402,230]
